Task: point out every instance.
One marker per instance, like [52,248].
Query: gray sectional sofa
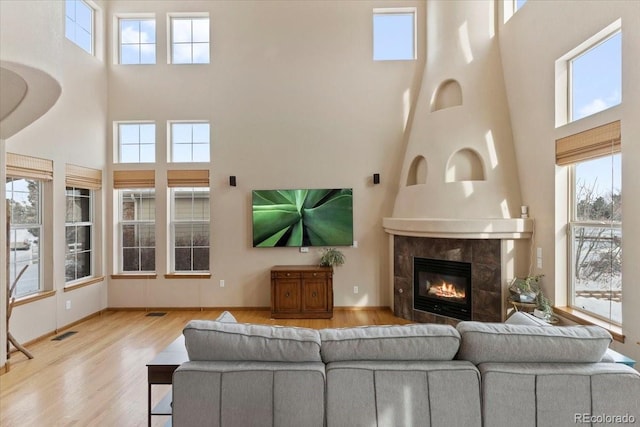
[475,374]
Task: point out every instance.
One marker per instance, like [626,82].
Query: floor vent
[156,314]
[63,336]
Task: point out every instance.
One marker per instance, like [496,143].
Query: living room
[294,101]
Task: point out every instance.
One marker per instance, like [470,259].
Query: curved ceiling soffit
[31,93]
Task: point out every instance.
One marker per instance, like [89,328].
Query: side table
[160,371]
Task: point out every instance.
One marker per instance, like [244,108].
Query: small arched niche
[465,165]
[417,171]
[447,95]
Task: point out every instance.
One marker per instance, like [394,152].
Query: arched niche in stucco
[465,165]
[417,171]
[448,94]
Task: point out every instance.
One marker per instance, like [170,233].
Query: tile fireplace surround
[492,262]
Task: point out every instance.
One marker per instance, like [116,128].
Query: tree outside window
[25,210]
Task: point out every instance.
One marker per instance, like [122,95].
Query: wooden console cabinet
[301,292]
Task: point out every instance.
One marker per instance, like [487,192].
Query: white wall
[295,101]
[531,41]
[73,131]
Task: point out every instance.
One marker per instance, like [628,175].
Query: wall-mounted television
[305,217]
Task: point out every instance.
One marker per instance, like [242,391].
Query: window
[189,142]
[79,234]
[137,142]
[137,41]
[594,220]
[394,34]
[596,238]
[595,77]
[190,229]
[25,211]
[79,24]
[190,40]
[519,3]
[137,230]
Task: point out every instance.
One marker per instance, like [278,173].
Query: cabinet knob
[287,295]
[400,290]
[288,274]
[315,294]
[315,274]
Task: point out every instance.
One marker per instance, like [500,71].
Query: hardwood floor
[98,376]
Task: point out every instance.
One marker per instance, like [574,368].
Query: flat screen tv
[307,217]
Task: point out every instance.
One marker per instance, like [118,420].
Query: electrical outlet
[355,289]
[222,283]
[355,243]
[304,249]
[67,305]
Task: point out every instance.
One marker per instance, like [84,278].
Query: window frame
[136,222]
[40,226]
[572,224]
[170,35]
[584,50]
[202,222]
[139,144]
[380,11]
[76,25]
[91,224]
[172,144]
[119,42]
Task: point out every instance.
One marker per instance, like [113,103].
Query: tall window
[595,77]
[79,234]
[137,41]
[25,211]
[190,40]
[79,24]
[394,34]
[594,220]
[190,229]
[189,142]
[596,238]
[137,230]
[137,142]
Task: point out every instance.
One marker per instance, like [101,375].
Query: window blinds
[600,141]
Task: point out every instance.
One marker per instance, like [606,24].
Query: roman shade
[29,167]
[188,178]
[134,179]
[600,141]
[83,177]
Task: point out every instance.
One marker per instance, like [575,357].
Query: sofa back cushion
[499,342]
[399,342]
[228,341]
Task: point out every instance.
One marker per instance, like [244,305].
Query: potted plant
[525,289]
[331,257]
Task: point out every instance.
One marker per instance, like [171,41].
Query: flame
[447,290]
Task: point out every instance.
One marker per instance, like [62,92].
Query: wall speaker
[232,180]
[376,178]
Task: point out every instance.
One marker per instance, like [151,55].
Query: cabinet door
[287,295]
[315,296]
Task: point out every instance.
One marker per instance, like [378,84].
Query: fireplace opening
[442,287]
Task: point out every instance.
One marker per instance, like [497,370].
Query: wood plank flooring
[98,376]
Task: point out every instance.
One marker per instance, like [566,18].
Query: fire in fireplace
[442,287]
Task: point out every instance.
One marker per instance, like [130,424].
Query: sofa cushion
[522,318]
[404,342]
[215,340]
[498,342]
[226,317]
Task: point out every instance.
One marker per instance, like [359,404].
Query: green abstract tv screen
[309,217]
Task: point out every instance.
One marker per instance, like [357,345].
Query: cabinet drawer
[315,275]
[286,274]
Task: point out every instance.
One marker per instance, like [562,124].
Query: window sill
[584,319]
[134,276]
[83,283]
[33,297]
[188,276]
